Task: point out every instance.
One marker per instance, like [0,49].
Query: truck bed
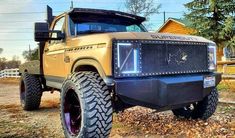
[32,67]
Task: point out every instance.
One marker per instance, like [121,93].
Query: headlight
[212,57]
[127,59]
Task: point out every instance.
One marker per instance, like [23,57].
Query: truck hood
[108,37]
[157,36]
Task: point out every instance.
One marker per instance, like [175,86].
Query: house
[179,26]
[175,26]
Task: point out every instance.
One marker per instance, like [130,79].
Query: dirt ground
[134,122]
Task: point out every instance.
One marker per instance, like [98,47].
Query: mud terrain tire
[86,109]
[30,92]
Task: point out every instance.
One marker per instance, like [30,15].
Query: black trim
[54,81]
[89,61]
[80,59]
[138,19]
[55,78]
[41,46]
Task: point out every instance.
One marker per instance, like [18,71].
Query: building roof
[181,21]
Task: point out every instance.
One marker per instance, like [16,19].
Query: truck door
[53,64]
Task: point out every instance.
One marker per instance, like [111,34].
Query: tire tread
[33,92]
[97,99]
[203,110]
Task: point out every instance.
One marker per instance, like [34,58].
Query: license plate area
[209,81]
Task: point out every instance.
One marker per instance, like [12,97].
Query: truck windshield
[80,28]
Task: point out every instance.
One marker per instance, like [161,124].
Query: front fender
[93,62]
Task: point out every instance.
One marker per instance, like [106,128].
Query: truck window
[133,28]
[88,26]
[71,27]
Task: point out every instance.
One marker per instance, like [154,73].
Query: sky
[17,18]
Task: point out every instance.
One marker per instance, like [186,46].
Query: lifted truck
[103,61]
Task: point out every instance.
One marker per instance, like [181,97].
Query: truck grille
[148,58]
[174,58]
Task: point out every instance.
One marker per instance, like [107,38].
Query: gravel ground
[134,122]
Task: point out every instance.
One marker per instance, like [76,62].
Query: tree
[144,8]
[213,19]
[3,62]
[31,55]
[14,63]
[1,50]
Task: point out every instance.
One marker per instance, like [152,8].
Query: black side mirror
[59,35]
[42,33]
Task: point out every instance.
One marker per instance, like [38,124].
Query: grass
[9,106]
[226,90]
[18,129]
[226,108]
[223,87]
[14,123]
[227,85]
[9,80]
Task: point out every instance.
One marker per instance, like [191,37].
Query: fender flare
[95,64]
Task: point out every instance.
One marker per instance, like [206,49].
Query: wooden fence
[227,68]
[9,73]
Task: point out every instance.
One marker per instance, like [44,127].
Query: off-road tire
[202,110]
[95,102]
[30,92]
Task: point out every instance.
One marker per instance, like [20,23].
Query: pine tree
[213,19]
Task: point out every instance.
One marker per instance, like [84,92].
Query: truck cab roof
[101,12]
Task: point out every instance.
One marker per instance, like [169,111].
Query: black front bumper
[164,92]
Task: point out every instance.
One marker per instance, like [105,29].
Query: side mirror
[42,33]
[56,35]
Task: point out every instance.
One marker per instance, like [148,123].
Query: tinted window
[97,24]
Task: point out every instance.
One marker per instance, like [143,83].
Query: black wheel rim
[72,112]
[22,92]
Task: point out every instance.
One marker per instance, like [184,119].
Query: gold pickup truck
[105,61]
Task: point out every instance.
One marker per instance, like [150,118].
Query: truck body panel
[82,47]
